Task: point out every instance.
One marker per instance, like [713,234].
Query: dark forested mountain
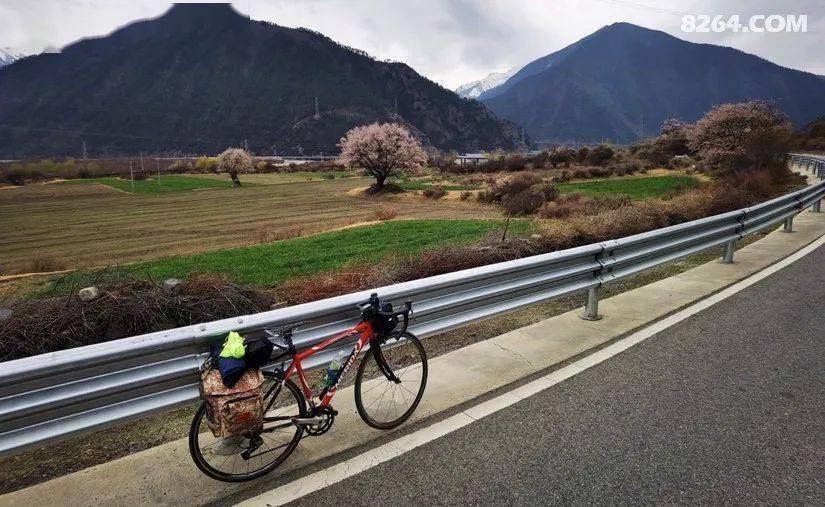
[202,77]
[623,77]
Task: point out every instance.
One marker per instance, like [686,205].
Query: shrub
[465,195]
[43,264]
[582,154]
[180,166]
[562,156]
[434,192]
[548,190]
[599,154]
[567,205]
[514,184]
[523,203]
[206,165]
[304,289]
[385,213]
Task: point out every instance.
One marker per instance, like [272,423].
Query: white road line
[353,466]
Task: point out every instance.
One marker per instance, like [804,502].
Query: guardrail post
[816,207]
[788,224]
[727,258]
[591,306]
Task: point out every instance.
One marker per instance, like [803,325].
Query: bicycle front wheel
[246,457]
[390,381]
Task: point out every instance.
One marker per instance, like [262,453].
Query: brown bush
[384,213]
[268,235]
[435,192]
[523,203]
[323,285]
[465,195]
[511,186]
[566,205]
[42,264]
[478,179]
[548,190]
[126,308]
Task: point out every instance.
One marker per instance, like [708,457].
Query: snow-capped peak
[7,56]
[476,88]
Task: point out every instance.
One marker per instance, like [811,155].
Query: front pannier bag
[235,410]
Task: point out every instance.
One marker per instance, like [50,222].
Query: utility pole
[157,163]
[142,170]
[85,155]
[395,109]
[245,145]
[132,175]
[317,112]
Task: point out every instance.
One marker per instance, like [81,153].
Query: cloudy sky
[449,41]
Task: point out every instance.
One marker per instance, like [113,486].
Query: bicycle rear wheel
[246,457]
[387,396]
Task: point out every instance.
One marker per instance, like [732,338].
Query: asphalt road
[727,406]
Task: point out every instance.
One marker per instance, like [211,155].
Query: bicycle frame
[365,332]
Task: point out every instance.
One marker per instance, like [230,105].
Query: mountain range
[622,81]
[202,77]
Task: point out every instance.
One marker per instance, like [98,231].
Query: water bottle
[331,376]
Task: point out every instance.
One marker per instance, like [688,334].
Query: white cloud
[449,41]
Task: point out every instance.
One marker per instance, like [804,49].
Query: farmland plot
[93,225]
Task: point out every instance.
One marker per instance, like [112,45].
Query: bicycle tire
[204,465]
[371,361]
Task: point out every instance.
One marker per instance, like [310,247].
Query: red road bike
[388,387]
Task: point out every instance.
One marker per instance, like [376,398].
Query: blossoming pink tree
[382,150]
[234,161]
[734,137]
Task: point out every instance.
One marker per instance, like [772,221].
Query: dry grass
[384,212]
[44,264]
[566,205]
[126,307]
[90,225]
[266,235]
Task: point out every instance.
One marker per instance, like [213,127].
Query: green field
[635,188]
[168,183]
[412,185]
[272,263]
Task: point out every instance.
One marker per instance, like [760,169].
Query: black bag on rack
[258,352]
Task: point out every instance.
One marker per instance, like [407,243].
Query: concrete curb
[165,474]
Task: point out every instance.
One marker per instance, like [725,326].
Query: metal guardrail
[59,394]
